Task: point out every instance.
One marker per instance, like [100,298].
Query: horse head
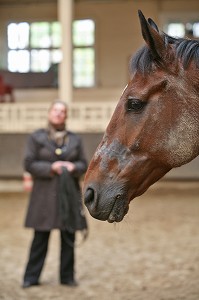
[154,127]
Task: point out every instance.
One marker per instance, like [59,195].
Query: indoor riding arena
[152,254]
[79,52]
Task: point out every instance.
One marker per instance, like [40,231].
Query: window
[35,47]
[179,29]
[83,53]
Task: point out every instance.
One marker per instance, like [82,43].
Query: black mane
[187,50]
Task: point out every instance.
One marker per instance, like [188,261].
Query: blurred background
[78,51]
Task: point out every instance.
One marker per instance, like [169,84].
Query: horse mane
[187,50]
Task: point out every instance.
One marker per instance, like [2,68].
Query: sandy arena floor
[152,255]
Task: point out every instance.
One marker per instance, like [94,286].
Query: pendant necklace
[59,150]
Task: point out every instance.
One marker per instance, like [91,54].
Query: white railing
[82,117]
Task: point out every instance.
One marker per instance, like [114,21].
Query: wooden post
[65,17]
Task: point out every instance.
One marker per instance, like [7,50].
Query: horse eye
[135,105]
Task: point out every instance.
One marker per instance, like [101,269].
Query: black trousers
[38,251]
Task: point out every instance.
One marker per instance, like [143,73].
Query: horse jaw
[124,176]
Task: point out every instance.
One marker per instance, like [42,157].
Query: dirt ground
[152,255]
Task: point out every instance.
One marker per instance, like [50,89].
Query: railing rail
[82,117]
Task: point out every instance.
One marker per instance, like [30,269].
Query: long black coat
[43,210]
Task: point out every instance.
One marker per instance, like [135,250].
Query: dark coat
[43,210]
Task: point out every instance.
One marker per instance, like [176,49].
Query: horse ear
[153,24]
[152,36]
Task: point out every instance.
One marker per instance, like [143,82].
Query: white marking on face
[124,89]
[114,151]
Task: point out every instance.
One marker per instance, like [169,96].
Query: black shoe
[28,284]
[71,283]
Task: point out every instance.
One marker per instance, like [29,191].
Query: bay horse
[154,128]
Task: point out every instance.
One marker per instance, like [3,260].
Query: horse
[154,127]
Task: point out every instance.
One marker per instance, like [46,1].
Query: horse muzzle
[107,203]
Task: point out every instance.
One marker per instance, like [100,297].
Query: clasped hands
[57,166]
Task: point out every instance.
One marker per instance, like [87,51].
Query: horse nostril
[89,196]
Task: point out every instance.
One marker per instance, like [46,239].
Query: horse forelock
[185,49]
[142,61]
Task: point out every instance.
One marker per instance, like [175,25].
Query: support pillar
[65,17]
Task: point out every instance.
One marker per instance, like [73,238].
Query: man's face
[57,114]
